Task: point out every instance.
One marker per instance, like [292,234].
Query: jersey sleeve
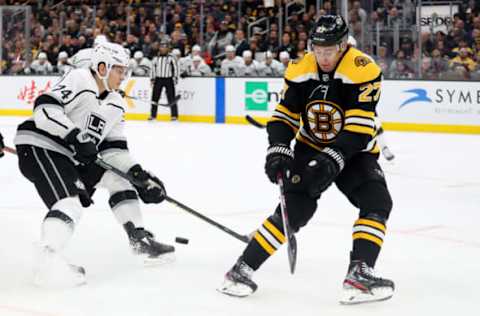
[49,111]
[359,127]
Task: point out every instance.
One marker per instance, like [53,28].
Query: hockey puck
[181,240]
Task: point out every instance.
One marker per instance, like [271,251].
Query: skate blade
[158,261]
[356,296]
[235,289]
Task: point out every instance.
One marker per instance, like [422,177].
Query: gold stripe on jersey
[283,114]
[286,111]
[360,113]
[357,67]
[304,138]
[269,237]
[369,230]
[264,244]
[302,70]
[359,129]
[275,231]
[368,237]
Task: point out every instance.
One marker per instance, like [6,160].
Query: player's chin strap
[100,162]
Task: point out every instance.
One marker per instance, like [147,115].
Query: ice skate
[144,245]
[362,286]
[238,281]
[54,271]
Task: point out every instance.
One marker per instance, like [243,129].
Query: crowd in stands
[60,29]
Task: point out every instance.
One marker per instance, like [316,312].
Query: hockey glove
[2,145]
[152,189]
[279,157]
[323,169]
[85,149]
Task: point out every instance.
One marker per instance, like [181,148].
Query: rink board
[428,106]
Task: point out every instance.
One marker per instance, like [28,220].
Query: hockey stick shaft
[168,105]
[180,205]
[254,122]
[291,240]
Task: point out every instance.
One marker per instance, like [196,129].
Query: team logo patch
[95,126]
[296,179]
[362,61]
[325,120]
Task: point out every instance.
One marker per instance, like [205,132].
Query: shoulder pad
[357,67]
[302,69]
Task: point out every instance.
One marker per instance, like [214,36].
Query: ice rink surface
[432,249]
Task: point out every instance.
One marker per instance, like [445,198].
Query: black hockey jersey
[333,109]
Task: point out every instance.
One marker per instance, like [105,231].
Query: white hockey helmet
[99,39]
[62,55]
[110,54]
[138,54]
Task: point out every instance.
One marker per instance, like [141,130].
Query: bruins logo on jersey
[362,61]
[325,120]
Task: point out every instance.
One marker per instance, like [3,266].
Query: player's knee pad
[300,209]
[121,197]
[68,210]
[114,183]
[374,198]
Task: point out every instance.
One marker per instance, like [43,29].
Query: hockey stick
[167,105]
[180,205]
[291,240]
[254,122]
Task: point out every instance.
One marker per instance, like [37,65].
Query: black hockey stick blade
[291,240]
[254,122]
[169,199]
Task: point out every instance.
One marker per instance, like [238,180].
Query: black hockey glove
[2,145]
[279,157]
[152,189]
[324,168]
[85,149]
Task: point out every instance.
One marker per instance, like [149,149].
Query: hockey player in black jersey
[82,117]
[328,106]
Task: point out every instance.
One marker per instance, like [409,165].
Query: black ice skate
[238,281]
[143,244]
[361,285]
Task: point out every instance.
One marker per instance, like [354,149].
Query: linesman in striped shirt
[164,75]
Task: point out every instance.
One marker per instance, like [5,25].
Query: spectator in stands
[240,42]
[140,65]
[284,60]
[439,63]
[62,66]
[401,71]
[462,44]
[464,59]
[301,49]
[399,58]
[198,67]
[252,67]
[287,45]
[427,71]
[221,39]
[271,67]
[232,65]
[40,66]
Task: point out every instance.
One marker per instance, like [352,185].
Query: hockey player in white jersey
[271,67]
[40,66]
[252,67]
[63,66]
[232,65]
[82,117]
[140,65]
[83,58]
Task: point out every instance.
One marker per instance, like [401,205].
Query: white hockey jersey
[254,69]
[234,67]
[142,68]
[75,102]
[82,59]
[274,69]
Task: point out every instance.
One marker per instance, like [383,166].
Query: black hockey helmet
[329,30]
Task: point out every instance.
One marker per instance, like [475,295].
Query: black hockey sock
[368,235]
[266,240]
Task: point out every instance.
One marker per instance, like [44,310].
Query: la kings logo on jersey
[95,126]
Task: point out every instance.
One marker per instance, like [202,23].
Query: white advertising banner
[254,96]
[428,102]
[197,94]
[437,17]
